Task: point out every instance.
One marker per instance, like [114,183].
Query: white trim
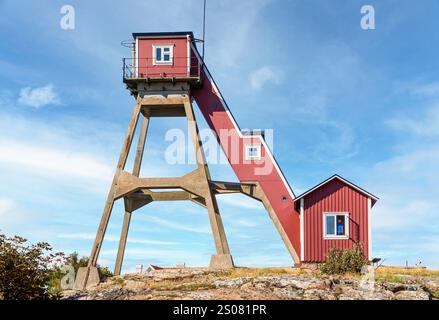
[343,180]
[369,228]
[188,55]
[258,151]
[164,36]
[336,237]
[302,229]
[137,58]
[256,136]
[156,62]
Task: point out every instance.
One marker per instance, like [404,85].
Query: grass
[119,281]
[259,272]
[179,284]
[391,278]
[420,272]
[205,282]
[399,274]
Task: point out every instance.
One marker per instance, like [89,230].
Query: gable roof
[352,185]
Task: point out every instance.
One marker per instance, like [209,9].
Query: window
[253,152]
[336,225]
[162,54]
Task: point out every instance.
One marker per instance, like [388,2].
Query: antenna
[204,27]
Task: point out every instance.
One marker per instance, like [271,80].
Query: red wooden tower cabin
[162,57]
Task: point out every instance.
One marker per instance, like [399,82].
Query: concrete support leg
[223,258]
[87,277]
[216,223]
[221,262]
[128,204]
[83,281]
[122,243]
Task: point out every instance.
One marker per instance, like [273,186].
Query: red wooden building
[335,213]
[165,74]
[163,55]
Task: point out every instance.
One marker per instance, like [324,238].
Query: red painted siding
[146,68]
[335,196]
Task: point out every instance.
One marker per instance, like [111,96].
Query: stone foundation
[221,261]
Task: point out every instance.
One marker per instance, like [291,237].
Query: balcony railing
[148,68]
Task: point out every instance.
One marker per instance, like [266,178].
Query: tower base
[83,281]
[221,262]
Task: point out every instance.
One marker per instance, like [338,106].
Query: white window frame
[156,62]
[258,155]
[335,236]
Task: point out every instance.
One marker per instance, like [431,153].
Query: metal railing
[354,231]
[149,68]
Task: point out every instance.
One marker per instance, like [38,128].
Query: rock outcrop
[202,284]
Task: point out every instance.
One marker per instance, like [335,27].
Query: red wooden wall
[335,196]
[179,68]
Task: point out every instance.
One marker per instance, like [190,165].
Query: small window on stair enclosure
[253,152]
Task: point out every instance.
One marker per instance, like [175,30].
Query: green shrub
[119,281]
[340,261]
[104,272]
[33,272]
[26,271]
[76,262]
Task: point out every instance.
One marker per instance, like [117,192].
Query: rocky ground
[200,284]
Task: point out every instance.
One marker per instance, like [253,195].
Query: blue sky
[363,104]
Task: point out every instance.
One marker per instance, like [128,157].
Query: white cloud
[91,236]
[407,187]
[7,211]
[38,97]
[205,229]
[54,161]
[238,200]
[394,214]
[169,257]
[12,215]
[6,96]
[429,89]
[407,179]
[426,125]
[233,40]
[419,163]
[258,78]
[245,223]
